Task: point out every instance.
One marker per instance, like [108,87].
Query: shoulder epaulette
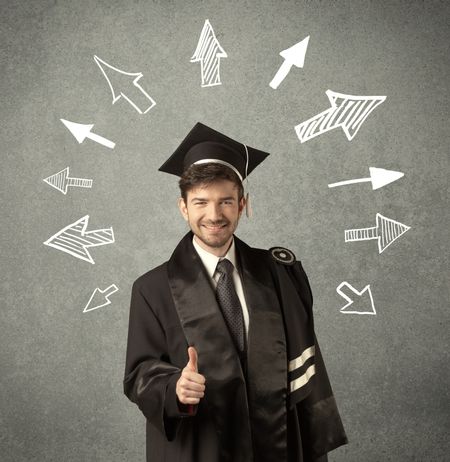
[282,255]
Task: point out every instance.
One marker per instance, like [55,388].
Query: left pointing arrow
[83,131]
[75,240]
[61,181]
[100,298]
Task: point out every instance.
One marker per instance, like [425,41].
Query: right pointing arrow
[386,232]
[378,176]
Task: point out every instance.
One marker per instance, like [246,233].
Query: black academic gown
[247,413]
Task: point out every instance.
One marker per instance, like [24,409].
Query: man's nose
[214,212]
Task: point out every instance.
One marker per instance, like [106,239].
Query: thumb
[192,364]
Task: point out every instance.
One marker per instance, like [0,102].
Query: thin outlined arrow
[355,295]
[385,232]
[379,177]
[75,240]
[209,52]
[83,131]
[61,181]
[346,111]
[293,56]
[100,298]
[133,93]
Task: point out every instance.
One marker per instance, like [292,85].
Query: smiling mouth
[214,227]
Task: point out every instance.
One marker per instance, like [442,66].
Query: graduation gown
[277,406]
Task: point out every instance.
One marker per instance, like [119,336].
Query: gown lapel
[205,329]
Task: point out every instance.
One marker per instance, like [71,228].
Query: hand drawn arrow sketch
[346,111]
[209,52]
[125,87]
[75,240]
[386,232]
[293,56]
[83,131]
[100,298]
[357,301]
[379,177]
[61,181]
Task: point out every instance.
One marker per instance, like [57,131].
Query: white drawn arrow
[61,181]
[378,176]
[100,298]
[209,52]
[75,240]
[357,301]
[346,111]
[133,92]
[83,131]
[293,56]
[386,232]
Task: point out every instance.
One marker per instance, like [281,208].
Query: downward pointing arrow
[355,299]
[83,131]
[378,176]
[100,298]
[293,56]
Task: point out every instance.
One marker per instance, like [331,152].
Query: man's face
[213,212]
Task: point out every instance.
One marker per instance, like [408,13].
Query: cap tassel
[248,206]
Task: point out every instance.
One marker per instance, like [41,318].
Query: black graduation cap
[203,145]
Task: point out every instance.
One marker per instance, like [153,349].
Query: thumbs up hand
[191,385]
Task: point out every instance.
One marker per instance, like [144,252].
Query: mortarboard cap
[203,145]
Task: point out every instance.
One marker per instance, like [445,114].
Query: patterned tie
[229,303]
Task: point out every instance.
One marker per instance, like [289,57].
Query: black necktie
[229,303]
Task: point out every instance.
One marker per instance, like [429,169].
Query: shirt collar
[210,261]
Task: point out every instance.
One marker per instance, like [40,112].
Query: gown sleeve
[150,380]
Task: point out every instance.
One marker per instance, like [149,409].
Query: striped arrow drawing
[293,56]
[61,181]
[75,240]
[133,93]
[379,177]
[209,52]
[100,298]
[355,299]
[83,131]
[346,111]
[386,232]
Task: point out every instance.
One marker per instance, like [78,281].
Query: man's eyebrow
[228,198]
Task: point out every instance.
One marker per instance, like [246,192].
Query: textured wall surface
[62,369]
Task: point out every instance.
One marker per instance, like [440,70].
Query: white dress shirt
[210,262]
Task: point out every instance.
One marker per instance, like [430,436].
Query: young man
[222,357]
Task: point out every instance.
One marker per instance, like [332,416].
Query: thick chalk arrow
[346,111]
[386,232]
[357,301]
[75,240]
[61,181]
[378,176]
[83,131]
[125,87]
[100,298]
[293,56]
[209,52]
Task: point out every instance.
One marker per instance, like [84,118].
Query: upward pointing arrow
[83,131]
[293,56]
[125,87]
[209,52]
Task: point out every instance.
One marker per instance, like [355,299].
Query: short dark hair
[206,174]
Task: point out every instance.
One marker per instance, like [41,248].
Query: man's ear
[241,205]
[183,208]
